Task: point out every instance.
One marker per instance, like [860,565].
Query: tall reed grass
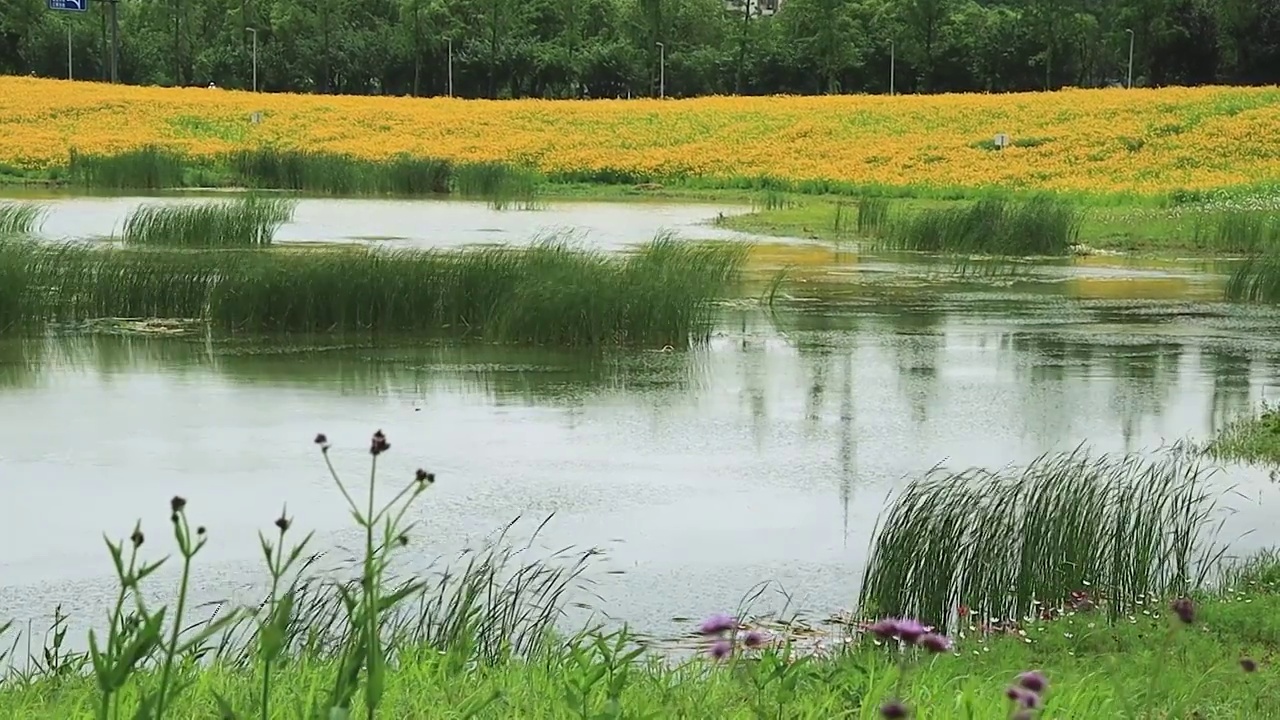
[873,215]
[248,222]
[332,174]
[1255,279]
[1042,225]
[148,168]
[1012,543]
[550,293]
[18,218]
[1240,232]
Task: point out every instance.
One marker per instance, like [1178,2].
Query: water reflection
[765,455]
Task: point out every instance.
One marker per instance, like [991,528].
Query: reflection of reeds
[660,294]
[994,226]
[250,222]
[1010,543]
[19,218]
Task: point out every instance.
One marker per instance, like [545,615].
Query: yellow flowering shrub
[1099,140]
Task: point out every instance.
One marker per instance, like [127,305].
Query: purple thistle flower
[1248,664]
[717,624]
[1014,693]
[910,630]
[885,628]
[720,649]
[753,639]
[1184,609]
[1034,681]
[935,643]
[893,709]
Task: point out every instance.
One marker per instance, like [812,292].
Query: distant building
[758,7]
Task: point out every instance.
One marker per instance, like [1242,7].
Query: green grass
[1251,439]
[1237,231]
[663,293]
[1255,279]
[249,222]
[1007,543]
[20,218]
[149,168]
[991,226]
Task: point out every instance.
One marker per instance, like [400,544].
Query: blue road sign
[72,5]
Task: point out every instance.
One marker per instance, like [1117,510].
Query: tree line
[621,48]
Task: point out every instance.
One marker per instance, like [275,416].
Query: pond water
[415,223]
[765,455]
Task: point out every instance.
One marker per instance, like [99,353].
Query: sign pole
[69,73]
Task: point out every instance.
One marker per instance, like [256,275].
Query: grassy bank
[660,294]
[1252,439]
[480,644]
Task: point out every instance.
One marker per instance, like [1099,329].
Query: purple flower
[720,649]
[893,709]
[1024,698]
[1034,681]
[1248,664]
[885,628]
[717,624]
[753,639]
[910,630]
[1184,609]
[935,643]
[1014,693]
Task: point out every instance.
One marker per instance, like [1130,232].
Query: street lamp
[892,58]
[449,41]
[255,57]
[662,70]
[1129,84]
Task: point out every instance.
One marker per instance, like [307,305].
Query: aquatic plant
[1254,438]
[338,174]
[19,218]
[873,215]
[1238,231]
[1255,278]
[248,222]
[994,225]
[150,167]
[498,183]
[663,293]
[1008,544]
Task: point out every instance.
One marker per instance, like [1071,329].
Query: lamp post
[662,70]
[1129,82]
[255,57]
[892,59]
[449,41]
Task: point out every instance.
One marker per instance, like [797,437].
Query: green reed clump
[148,168]
[1238,231]
[1255,279]
[1007,544]
[334,174]
[1042,225]
[20,218]
[23,301]
[1255,438]
[661,294]
[500,184]
[250,222]
[873,215]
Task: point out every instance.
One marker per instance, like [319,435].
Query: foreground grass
[1143,667]
[1251,439]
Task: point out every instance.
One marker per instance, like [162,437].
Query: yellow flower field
[1099,140]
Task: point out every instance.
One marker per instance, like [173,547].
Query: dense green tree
[611,48]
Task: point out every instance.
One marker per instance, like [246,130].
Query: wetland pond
[764,455]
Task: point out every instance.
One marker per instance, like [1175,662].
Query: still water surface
[764,456]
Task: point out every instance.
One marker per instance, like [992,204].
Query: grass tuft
[1251,439]
[1241,232]
[20,218]
[1041,225]
[250,222]
[148,168]
[1255,279]
[1007,544]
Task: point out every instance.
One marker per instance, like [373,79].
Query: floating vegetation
[17,218]
[992,226]
[550,293]
[250,222]
[1008,544]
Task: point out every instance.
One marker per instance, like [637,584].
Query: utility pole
[115,42]
[255,57]
[892,58]
[662,70]
[450,42]
[69,73]
[1129,82]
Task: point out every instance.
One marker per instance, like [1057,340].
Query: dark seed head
[174,518]
[321,439]
[282,522]
[379,444]
[177,503]
[893,709]
[200,530]
[136,538]
[403,540]
[423,477]
[1248,664]
[1184,609]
